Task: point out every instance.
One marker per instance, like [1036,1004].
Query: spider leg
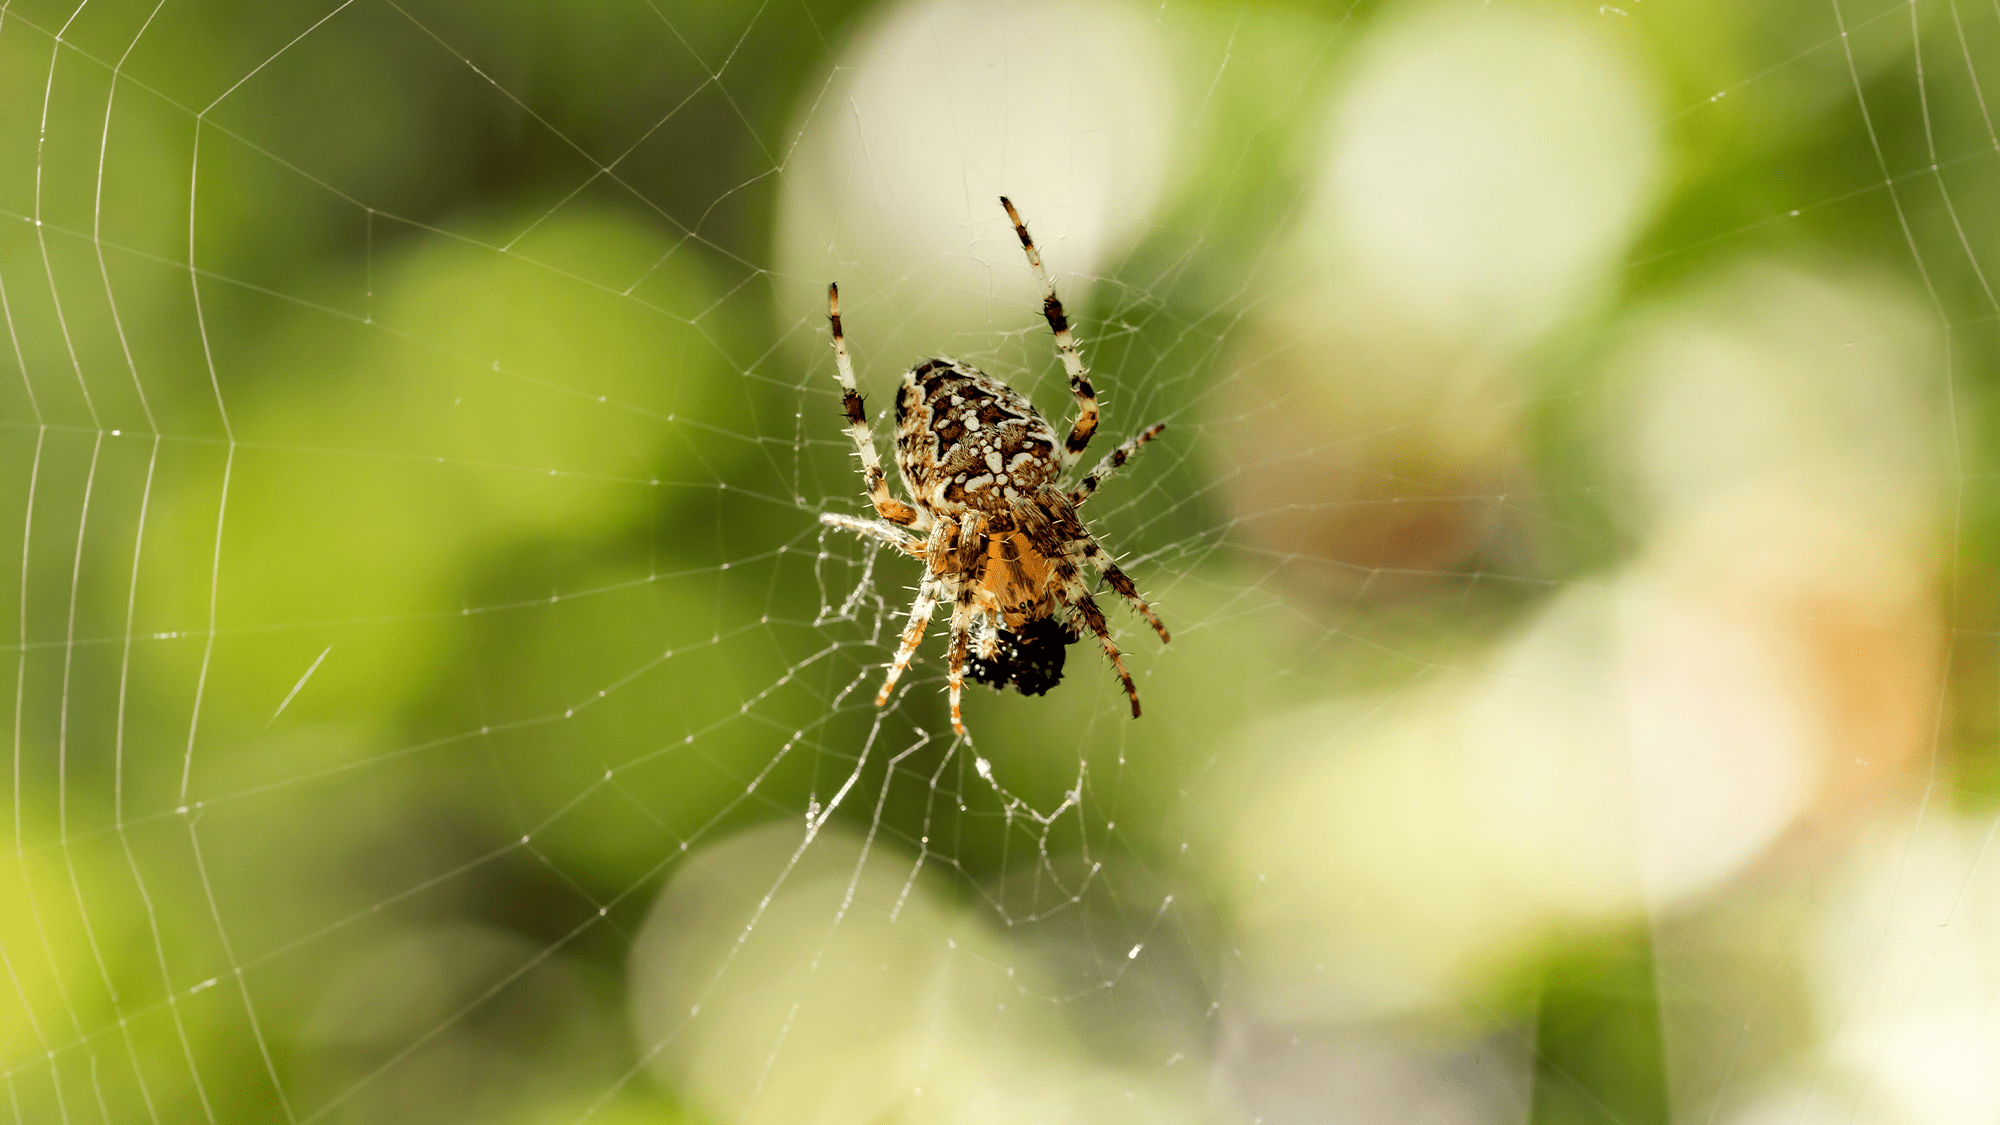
[1122,583]
[1113,461]
[988,644]
[1072,359]
[961,637]
[886,506]
[1071,591]
[913,635]
[876,529]
[967,564]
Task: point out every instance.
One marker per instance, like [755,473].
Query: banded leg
[967,562]
[961,642]
[988,643]
[1072,359]
[913,635]
[1113,461]
[1122,583]
[886,506]
[1070,590]
[876,529]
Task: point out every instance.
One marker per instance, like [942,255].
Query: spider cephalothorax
[1000,537]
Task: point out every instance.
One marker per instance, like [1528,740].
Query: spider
[998,533]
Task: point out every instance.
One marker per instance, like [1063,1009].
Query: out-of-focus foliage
[435,698]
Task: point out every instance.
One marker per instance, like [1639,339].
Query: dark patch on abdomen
[1030,659]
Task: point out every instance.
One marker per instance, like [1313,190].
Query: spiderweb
[436,698]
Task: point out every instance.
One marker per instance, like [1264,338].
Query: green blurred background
[436,698]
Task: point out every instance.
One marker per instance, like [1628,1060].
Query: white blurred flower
[1300,1074]
[824,982]
[1485,171]
[1902,963]
[935,110]
[1635,743]
[1489,167]
[1815,379]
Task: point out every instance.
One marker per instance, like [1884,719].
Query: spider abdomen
[967,440]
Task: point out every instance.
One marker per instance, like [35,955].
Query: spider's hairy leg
[928,592]
[886,506]
[966,563]
[1072,358]
[887,532]
[1122,583]
[1070,590]
[1113,461]
[961,643]
[988,645]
